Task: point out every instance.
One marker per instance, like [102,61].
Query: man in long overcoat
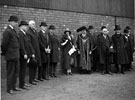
[10,49]
[131,47]
[34,39]
[26,52]
[55,47]
[94,55]
[104,46]
[120,55]
[45,45]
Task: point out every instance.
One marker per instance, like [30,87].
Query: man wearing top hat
[26,52]
[45,49]
[34,39]
[120,55]
[10,49]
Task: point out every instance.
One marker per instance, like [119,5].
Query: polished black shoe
[16,89]
[35,80]
[10,92]
[110,73]
[55,75]
[41,80]
[23,87]
[26,85]
[33,83]
[70,73]
[103,73]
[47,78]
[123,72]
[51,75]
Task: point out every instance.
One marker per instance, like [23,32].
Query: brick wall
[60,19]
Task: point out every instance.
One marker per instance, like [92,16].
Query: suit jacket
[25,45]
[34,39]
[10,44]
[44,42]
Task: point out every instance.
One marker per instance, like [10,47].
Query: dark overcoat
[65,49]
[129,46]
[25,45]
[44,42]
[120,55]
[54,57]
[34,39]
[10,44]
[103,45]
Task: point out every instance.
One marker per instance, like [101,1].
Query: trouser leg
[22,72]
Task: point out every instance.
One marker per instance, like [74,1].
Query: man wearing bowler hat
[45,47]
[10,49]
[26,52]
[54,56]
[93,38]
[120,56]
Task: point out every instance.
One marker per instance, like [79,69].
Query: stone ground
[79,87]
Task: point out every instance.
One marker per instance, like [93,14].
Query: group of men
[29,48]
[40,50]
[102,50]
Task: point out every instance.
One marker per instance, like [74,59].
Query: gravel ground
[79,87]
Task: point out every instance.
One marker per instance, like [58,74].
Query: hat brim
[23,25]
[67,31]
[43,25]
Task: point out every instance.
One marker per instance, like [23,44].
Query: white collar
[23,31]
[43,31]
[11,26]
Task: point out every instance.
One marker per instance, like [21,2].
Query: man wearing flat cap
[45,49]
[84,50]
[26,52]
[120,55]
[10,49]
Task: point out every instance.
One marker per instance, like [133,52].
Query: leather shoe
[16,89]
[41,80]
[26,85]
[24,88]
[10,92]
[33,83]
[35,80]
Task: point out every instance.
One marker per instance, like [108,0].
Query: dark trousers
[12,73]
[32,73]
[118,69]
[22,72]
[45,72]
[53,68]
[106,67]
[40,72]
